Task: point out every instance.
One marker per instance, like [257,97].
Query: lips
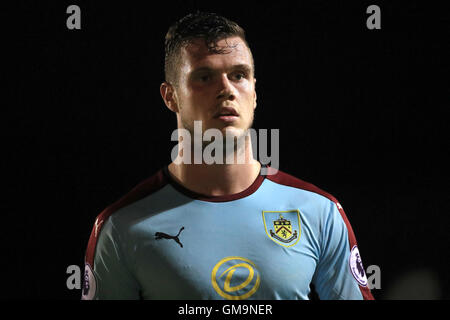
[226,111]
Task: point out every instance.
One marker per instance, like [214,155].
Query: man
[222,230]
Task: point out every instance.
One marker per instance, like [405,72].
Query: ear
[169,96]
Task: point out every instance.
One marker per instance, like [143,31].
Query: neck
[217,179]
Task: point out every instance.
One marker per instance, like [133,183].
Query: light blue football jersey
[270,241]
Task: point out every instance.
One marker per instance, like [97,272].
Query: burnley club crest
[283,227]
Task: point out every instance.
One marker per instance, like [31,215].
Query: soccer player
[220,231]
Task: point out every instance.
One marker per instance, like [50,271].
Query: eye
[239,76]
[205,78]
[202,77]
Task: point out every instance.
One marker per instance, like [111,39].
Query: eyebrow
[244,67]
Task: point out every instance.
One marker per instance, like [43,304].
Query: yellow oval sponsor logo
[235,278]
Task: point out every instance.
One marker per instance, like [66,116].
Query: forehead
[196,54]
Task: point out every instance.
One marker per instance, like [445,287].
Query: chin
[233,131]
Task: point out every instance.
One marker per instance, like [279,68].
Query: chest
[226,252]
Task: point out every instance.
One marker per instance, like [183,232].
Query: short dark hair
[210,27]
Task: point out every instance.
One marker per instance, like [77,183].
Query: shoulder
[327,206]
[287,180]
[144,190]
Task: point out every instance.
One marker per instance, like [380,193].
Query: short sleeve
[339,274]
[109,278]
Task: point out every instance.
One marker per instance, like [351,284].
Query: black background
[362,114]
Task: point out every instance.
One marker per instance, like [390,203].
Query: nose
[225,89]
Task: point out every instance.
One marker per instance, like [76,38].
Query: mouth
[227,114]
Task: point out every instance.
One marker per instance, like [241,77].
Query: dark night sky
[363,114]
